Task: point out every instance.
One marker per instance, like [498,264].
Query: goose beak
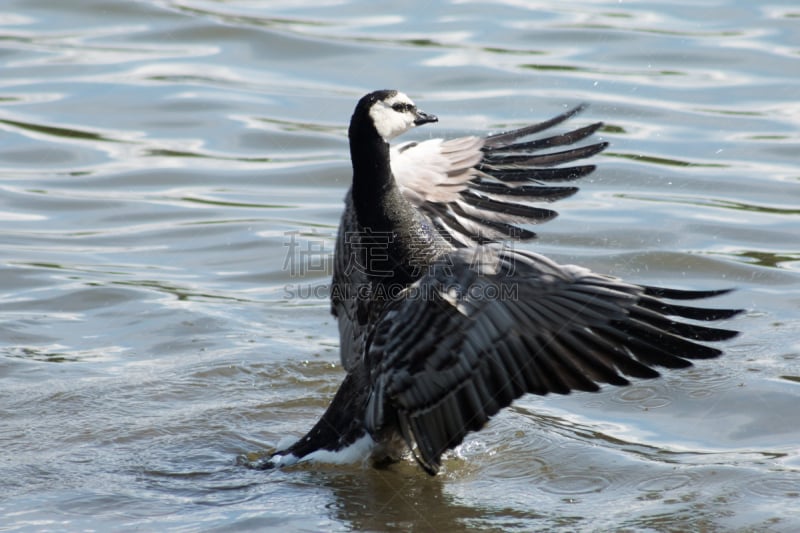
[423,118]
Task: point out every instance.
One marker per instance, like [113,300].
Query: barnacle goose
[441,326]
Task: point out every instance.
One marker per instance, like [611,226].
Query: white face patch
[393,116]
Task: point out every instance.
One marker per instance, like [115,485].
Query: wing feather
[450,360]
[477,190]
[504,139]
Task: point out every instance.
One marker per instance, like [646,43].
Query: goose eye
[401,107]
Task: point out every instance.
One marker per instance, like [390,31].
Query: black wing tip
[580,108]
[593,127]
[532,193]
[721,334]
[569,113]
[502,137]
[695,313]
[722,314]
[683,294]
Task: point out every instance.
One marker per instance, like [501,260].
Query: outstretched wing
[477,332]
[476,190]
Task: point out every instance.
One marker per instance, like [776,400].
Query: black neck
[375,194]
[381,208]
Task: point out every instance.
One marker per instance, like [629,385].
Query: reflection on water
[156,158]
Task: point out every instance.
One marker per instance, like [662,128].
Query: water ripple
[156,154]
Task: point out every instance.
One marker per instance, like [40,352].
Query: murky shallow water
[154,156]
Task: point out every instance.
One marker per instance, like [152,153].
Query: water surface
[158,157]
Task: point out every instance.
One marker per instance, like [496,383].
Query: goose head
[393,113]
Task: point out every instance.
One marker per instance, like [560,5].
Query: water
[156,155]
